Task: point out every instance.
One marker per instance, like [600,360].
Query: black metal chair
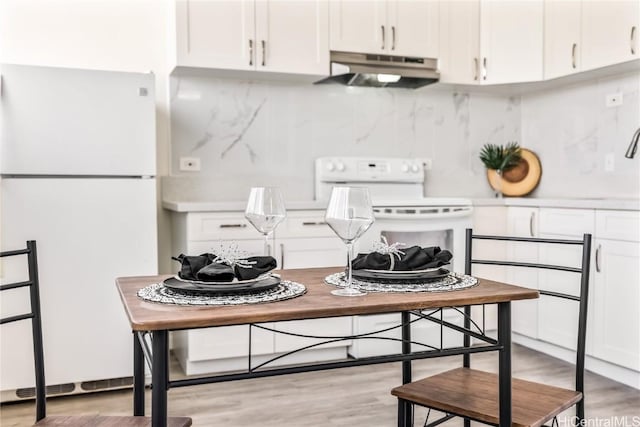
[36,327]
[473,394]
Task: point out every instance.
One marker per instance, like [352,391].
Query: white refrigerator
[78,176]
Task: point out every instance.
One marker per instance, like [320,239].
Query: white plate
[234,281]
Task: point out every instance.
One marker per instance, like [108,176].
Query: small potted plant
[498,159]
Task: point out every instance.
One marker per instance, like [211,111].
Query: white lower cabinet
[616,290]
[550,325]
[302,241]
[523,222]
[557,317]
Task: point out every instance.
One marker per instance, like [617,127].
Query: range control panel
[363,169]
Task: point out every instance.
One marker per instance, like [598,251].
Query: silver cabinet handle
[382,29]
[531,218]
[233,225]
[573,55]
[264,48]
[633,40]
[393,37]
[484,68]
[306,223]
[475,68]
[250,52]
[281,256]
[598,252]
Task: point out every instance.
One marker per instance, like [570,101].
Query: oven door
[445,231]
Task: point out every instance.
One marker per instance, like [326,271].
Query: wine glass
[265,210]
[349,215]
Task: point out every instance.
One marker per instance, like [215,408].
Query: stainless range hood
[373,70]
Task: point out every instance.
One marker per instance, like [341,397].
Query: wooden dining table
[156,320]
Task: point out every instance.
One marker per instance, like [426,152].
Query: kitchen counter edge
[239,206]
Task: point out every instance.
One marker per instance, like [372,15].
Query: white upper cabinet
[562,37]
[583,35]
[414,28]
[358,26]
[491,41]
[216,34]
[275,35]
[292,36]
[393,27]
[610,32]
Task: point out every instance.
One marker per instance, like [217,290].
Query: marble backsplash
[249,133]
[581,141]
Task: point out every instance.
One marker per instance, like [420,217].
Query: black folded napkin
[204,268]
[414,258]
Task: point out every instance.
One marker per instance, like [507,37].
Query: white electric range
[402,214]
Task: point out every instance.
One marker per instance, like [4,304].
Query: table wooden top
[316,303]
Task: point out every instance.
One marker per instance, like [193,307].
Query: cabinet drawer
[566,222]
[202,226]
[305,224]
[618,225]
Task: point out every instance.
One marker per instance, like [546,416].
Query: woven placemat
[159,293]
[451,282]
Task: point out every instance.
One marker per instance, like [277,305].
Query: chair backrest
[36,320]
[583,270]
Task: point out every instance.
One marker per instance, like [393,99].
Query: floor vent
[52,390]
[106,384]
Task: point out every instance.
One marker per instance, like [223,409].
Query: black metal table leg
[405,407]
[159,379]
[504,363]
[138,377]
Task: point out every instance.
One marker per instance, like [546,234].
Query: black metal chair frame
[583,299]
[36,319]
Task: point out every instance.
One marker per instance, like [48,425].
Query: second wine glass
[265,210]
[349,215]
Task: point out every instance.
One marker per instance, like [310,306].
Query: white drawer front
[305,224]
[618,225]
[202,226]
[567,222]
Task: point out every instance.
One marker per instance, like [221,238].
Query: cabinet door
[522,222]
[562,40]
[292,36]
[312,253]
[216,34]
[610,32]
[511,41]
[359,26]
[616,296]
[413,28]
[459,41]
[557,317]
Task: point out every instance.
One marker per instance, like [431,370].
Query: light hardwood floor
[344,397]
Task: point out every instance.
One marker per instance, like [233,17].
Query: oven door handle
[379,213]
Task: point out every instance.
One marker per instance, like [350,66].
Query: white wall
[118,35]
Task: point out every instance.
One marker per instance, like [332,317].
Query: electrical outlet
[190,164]
[427,164]
[613,99]
[610,162]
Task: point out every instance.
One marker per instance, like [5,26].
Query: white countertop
[596,203]
[239,206]
[235,206]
